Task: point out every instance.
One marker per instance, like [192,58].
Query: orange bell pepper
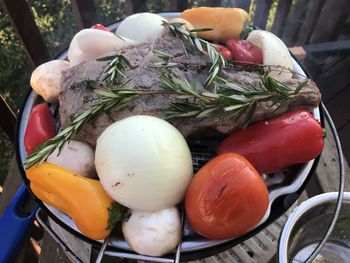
[83,199]
[225,23]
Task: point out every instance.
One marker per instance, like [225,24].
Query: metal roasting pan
[284,189]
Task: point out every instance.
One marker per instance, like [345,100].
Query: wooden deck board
[339,108]
[344,134]
[280,20]
[52,252]
[334,79]
[327,171]
[324,30]
[309,22]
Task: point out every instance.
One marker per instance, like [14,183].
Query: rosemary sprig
[162,54]
[116,67]
[231,100]
[113,98]
[201,45]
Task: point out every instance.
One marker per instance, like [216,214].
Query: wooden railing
[308,21]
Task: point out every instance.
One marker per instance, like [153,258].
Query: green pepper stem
[117,213]
[324,133]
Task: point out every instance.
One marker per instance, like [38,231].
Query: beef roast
[77,98]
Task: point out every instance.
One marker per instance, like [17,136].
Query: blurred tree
[14,71]
[56,23]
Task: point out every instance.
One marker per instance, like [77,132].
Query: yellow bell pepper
[225,23]
[83,199]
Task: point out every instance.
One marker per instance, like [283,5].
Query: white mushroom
[153,234]
[46,79]
[76,156]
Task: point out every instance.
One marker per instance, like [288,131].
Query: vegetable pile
[138,174]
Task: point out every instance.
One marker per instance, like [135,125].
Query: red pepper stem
[324,133]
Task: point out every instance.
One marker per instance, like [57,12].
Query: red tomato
[244,51]
[40,127]
[224,51]
[226,198]
[294,137]
[100,27]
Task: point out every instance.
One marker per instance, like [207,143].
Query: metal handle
[319,247]
[15,224]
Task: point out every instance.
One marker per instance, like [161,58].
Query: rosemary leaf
[162,54]
[188,114]
[106,58]
[207,112]
[116,67]
[184,97]
[231,100]
[120,37]
[201,45]
[200,30]
[238,98]
[211,95]
[109,99]
[233,107]
[104,93]
[198,44]
[250,114]
[232,85]
[300,86]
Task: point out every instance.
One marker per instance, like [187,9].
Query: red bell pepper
[224,51]
[100,27]
[244,51]
[271,145]
[40,127]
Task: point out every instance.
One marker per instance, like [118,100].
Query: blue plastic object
[15,223]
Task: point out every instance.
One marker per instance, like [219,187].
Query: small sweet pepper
[40,127]
[83,199]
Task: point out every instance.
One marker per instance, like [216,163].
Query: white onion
[89,44]
[274,51]
[142,27]
[76,156]
[46,79]
[153,234]
[143,163]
